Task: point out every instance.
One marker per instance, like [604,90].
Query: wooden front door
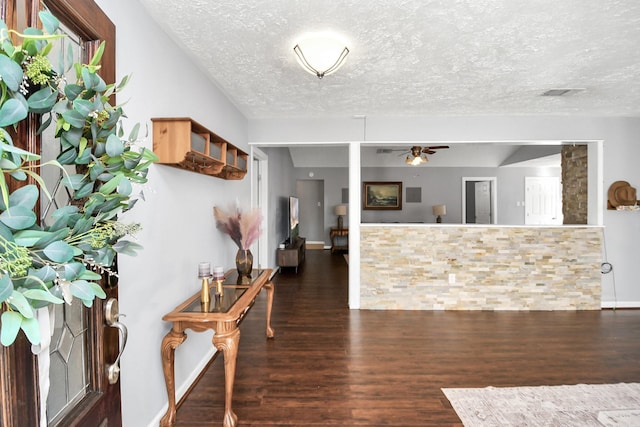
[82,344]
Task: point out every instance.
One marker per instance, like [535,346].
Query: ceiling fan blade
[434,147]
[403,151]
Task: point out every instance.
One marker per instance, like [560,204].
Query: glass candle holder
[204,273]
[218,277]
[204,269]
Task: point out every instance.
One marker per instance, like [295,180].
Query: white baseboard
[180,392]
[311,245]
[620,304]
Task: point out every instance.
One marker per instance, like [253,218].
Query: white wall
[443,186]
[621,150]
[177,220]
[281,186]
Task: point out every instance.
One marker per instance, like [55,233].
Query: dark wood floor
[329,366]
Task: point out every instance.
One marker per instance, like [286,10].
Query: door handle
[111,315]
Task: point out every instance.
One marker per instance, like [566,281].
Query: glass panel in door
[69,361]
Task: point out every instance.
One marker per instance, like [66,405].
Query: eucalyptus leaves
[53,263]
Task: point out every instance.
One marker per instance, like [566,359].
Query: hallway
[330,366]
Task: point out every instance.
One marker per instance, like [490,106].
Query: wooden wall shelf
[186,144]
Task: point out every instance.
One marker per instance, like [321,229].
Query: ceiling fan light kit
[321,54]
[415,161]
[418,154]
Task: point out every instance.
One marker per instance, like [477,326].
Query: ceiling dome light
[321,54]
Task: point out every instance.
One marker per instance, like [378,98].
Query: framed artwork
[382,195]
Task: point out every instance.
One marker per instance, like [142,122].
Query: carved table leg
[269,287]
[227,342]
[169,344]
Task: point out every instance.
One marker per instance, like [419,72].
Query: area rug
[581,405]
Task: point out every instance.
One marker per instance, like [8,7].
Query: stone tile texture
[495,268]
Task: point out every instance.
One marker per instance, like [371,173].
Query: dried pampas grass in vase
[244,228]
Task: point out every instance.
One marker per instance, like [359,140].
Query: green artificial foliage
[55,263]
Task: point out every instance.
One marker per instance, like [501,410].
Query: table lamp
[340,210]
[438,211]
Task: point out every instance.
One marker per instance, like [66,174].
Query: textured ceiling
[417,57]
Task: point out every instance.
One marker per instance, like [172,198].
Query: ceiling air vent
[561,92]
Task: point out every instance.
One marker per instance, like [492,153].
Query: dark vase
[244,262]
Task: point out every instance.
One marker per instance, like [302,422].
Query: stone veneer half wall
[408,267]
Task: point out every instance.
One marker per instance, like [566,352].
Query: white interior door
[543,200]
[483,202]
[479,200]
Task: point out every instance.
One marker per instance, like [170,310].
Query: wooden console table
[222,315]
[339,232]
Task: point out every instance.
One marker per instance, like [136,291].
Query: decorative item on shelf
[204,273]
[438,211]
[340,210]
[321,54]
[622,196]
[244,229]
[628,208]
[218,277]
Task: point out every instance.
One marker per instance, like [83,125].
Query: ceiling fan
[418,155]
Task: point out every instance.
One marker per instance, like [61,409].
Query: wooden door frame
[20,403]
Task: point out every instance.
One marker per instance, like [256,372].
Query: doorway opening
[311,195]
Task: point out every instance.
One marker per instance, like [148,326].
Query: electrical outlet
[452,278]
